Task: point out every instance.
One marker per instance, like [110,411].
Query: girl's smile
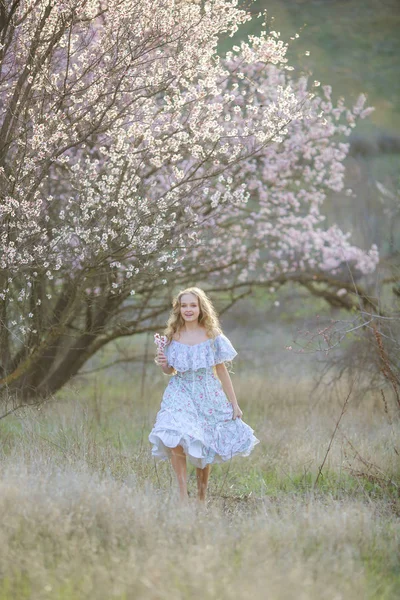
[190,309]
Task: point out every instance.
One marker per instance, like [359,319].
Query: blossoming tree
[133,156]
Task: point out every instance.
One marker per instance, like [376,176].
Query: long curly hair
[208,317]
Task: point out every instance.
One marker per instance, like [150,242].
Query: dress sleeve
[223,349]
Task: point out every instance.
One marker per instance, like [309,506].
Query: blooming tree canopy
[133,155]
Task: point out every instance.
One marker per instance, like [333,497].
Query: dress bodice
[199,356]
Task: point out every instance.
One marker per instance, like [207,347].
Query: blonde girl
[199,418]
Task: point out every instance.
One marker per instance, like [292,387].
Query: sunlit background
[87,513]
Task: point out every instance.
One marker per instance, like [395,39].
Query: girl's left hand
[237,412]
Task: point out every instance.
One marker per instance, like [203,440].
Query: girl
[199,415]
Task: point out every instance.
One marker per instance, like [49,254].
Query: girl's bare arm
[227,385]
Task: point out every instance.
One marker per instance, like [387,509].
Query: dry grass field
[87,514]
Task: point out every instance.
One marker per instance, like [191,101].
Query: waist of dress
[198,374]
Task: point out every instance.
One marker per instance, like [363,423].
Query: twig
[369,466]
[129,359]
[225,478]
[389,418]
[386,367]
[144,366]
[13,410]
[155,468]
[333,434]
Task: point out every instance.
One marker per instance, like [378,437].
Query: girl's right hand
[162,359]
[237,413]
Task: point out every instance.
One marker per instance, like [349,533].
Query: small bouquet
[160,341]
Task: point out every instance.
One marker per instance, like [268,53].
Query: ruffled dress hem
[196,451]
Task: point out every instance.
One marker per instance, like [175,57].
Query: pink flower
[160,341]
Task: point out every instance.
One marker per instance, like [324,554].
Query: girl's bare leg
[202,476]
[178,460]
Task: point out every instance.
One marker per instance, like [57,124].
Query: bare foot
[184,499]
[201,504]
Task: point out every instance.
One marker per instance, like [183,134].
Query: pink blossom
[160,341]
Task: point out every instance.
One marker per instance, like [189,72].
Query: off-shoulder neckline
[193,345]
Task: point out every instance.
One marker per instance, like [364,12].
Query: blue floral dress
[195,412]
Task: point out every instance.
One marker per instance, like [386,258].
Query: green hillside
[354,46]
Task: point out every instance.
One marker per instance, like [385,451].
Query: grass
[88,514]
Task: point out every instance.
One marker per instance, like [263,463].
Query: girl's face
[190,309]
